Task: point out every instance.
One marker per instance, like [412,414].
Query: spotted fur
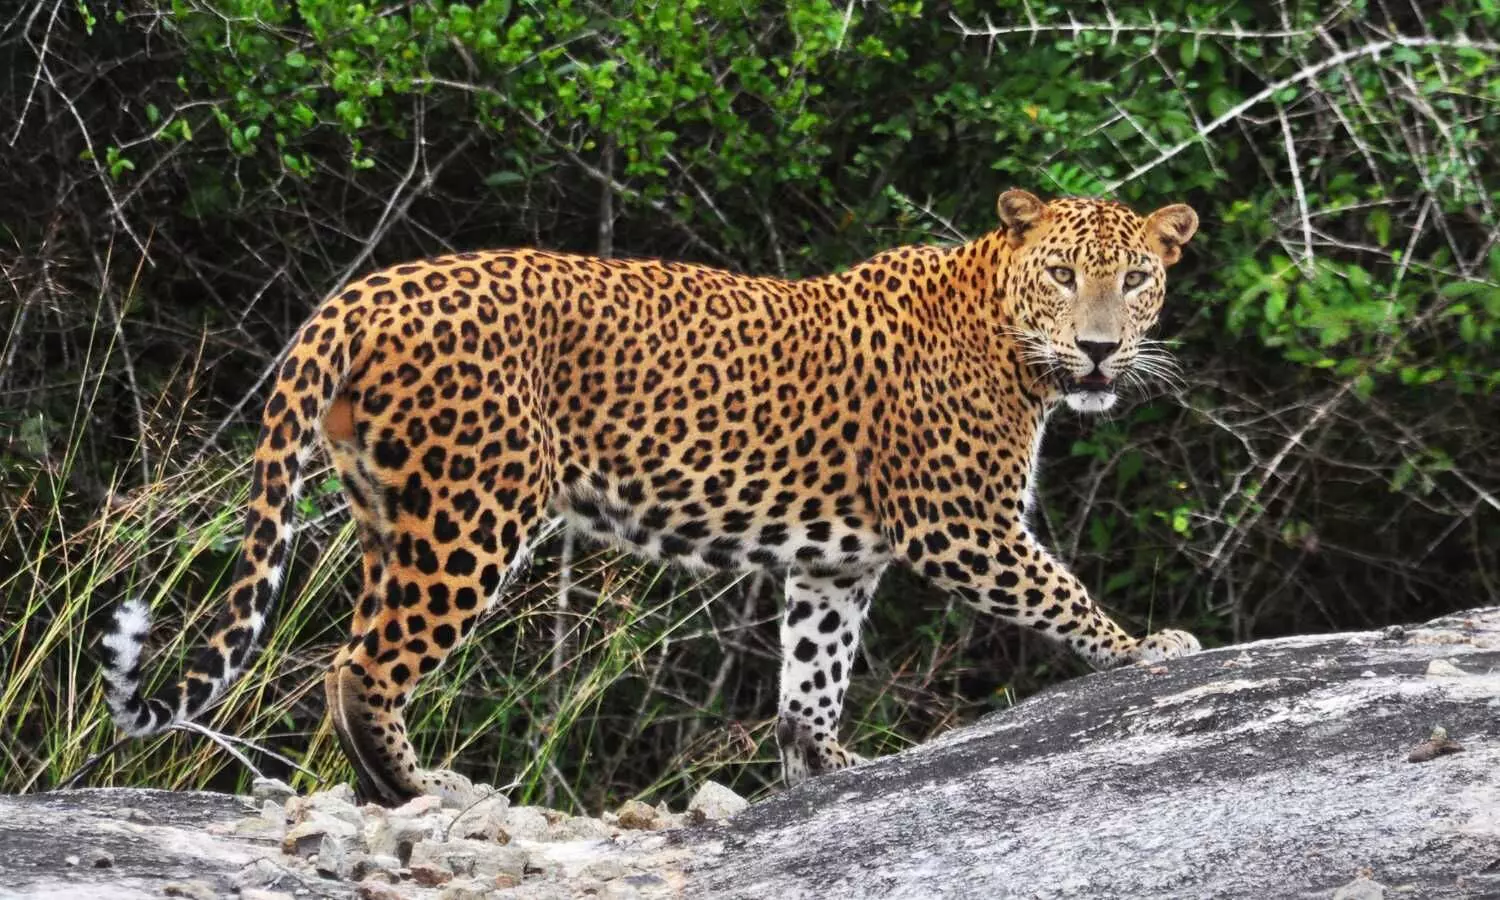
[825,427]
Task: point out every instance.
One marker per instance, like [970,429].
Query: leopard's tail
[312,372]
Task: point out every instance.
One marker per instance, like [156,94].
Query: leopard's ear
[1168,228]
[1019,210]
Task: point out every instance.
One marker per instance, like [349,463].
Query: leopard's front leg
[819,638]
[1006,572]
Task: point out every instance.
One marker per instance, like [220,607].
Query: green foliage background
[180,182]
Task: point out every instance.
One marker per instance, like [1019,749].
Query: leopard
[820,429]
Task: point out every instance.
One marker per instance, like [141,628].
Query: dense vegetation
[181,180]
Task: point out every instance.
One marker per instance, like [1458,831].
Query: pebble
[376,890]
[465,890]
[486,851]
[1360,889]
[429,875]
[1442,668]
[336,807]
[606,869]
[306,838]
[272,789]
[527,823]
[575,828]
[262,873]
[715,802]
[484,820]
[635,814]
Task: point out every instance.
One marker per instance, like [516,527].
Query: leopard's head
[1084,284]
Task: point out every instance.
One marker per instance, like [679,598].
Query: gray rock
[377,890]
[307,837]
[386,834]
[465,890]
[580,828]
[361,865]
[526,823]
[186,838]
[484,820]
[193,890]
[714,801]
[263,873]
[333,857]
[334,806]
[1360,889]
[606,869]
[272,789]
[620,890]
[1275,769]
[638,815]
[466,857]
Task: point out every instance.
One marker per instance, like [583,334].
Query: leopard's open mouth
[1094,382]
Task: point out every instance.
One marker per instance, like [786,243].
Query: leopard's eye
[1134,280]
[1061,274]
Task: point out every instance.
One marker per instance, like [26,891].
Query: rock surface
[1276,769]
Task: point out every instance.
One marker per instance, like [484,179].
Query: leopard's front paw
[1167,644]
[805,753]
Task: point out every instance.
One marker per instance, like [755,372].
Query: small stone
[1393,633]
[545,892]
[332,857]
[714,801]
[99,859]
[506,880]
[388,835]
[262,894]
[306,838]
[525,822]
[576,828]
[194,890]
[296,809]
[259,827]
[337,808]
[606,869]
[72,859]
[635,814]
[484,820]
[1442,668]
[465,890]
[272,789]
[363,865]
[259,874]
[417,807]
[376,890]
[429,875]
[466,857]
[342,792]
[619,890]
[139,816]
[1361,888]
[441,855]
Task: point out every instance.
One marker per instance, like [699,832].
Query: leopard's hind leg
[441,529]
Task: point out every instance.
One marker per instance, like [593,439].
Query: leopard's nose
[1098,351]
